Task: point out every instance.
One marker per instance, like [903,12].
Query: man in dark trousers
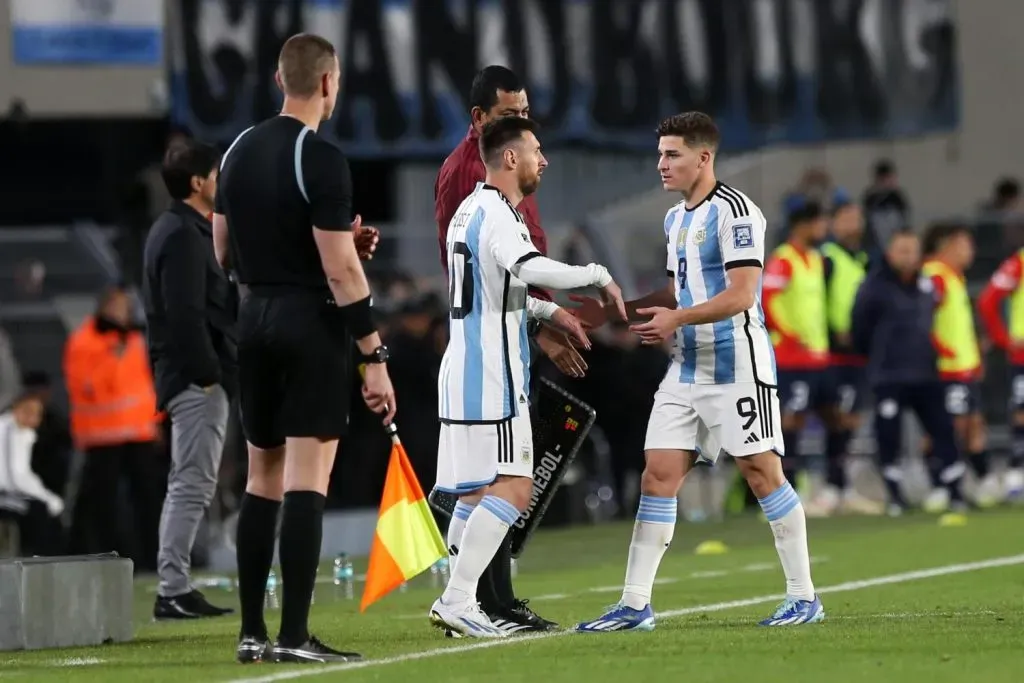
[498,92]
[190,312]
[283,223]
[892,326]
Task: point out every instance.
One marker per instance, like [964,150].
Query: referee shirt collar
[189,214]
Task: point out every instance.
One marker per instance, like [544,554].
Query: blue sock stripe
[777,494]
[782,506]
[655,518]
[656,500]
[657,510]
[462,510]
[500,508]
[779,503]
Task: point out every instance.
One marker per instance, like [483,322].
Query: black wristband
[359,318]
[533,328]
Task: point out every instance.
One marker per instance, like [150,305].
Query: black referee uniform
[278,180]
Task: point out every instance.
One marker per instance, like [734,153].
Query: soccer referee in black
[283,223]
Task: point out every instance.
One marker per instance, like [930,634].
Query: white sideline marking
[77,661]
[904,577]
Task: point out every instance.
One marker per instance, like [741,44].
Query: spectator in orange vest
[114,422]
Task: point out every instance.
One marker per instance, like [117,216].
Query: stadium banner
[98,32]
[599,72]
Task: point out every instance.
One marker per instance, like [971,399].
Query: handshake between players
[719,393]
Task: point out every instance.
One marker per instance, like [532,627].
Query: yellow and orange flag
[407,541]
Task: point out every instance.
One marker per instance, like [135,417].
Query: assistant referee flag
[407,540]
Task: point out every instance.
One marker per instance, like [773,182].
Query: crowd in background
[114,487]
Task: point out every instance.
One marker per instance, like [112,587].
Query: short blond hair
[303,61]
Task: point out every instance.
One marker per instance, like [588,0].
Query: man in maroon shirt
[498,92]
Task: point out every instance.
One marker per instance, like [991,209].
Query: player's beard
[529,184]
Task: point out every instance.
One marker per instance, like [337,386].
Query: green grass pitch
[908,601]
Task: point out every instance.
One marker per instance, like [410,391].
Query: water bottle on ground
[272,601]
[344,576]
[439,573]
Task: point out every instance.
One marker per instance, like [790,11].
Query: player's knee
[308,464]
[515,490]
[763,473]
[664,472]
[265,477]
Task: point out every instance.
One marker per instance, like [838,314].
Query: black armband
[359,318]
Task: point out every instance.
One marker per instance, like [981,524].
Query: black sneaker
[253,649]
[519,618]
[188,606]
[312,651]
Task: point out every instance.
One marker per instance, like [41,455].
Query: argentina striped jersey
[485,370]
[725,231]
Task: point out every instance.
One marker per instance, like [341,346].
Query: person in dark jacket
[892,325]
[190,310]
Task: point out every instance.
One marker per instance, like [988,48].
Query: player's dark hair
[184,161]
[938,234]
[900,234]
[488,82]
[1007,189]
[36,379]
[884,168]
[498,134]
[696,128]
[805,213]
[303,61]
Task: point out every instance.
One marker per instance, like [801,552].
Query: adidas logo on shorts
[751,438]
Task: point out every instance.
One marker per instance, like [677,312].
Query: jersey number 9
[681,272]
[460,288]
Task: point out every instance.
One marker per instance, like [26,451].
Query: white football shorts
[471,456]
[741,419]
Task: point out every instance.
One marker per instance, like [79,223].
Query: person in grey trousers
[190,314]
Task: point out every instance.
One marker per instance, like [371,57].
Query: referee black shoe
[252,649]
[519,618]
[312,651]
[192,605]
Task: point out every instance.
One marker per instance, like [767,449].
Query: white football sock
[456,527]
[789,525]
[484,532]
[652,534]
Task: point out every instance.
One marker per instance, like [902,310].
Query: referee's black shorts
[295,367]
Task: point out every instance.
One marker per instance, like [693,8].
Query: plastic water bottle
[271,598]
[439,573]
[344,575]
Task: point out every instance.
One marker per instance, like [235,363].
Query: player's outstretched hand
[365,237]
[559,349]
[590,311]
[572,326]
[378,392]
[611,297]
[660,327]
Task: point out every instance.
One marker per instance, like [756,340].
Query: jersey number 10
[460,288]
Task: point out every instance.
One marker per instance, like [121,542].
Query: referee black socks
[254,552]
[302,523]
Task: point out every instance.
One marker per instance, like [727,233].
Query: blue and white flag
[103,32]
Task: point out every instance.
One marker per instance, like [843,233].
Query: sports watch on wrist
[378,355]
